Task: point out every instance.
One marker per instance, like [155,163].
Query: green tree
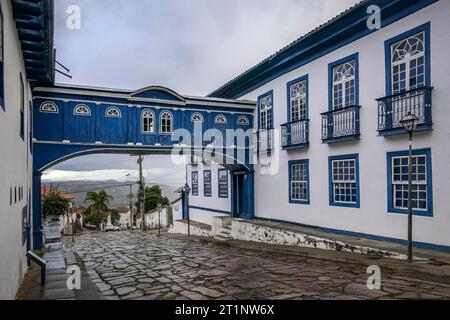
[99,206]
[153,196]
[115,216]
[55,205]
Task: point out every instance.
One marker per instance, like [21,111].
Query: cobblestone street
[142,266]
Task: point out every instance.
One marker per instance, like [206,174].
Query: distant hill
[118,190]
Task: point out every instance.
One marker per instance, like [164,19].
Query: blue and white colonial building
[325,149]
[329,108]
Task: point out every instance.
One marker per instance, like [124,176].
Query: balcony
[392,109]
[341,125]
[265,139]
[295,135]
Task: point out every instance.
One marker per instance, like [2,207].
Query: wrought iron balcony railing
[341,124]
[392,109]
[295,134]
[265,140]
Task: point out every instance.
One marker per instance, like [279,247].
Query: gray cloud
[190,46]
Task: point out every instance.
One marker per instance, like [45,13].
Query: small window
[220,119]
[197,117]
[243,121]
[113,112]
[344,181]
[223,183]
[82,110]
[49,107]
[195,183]
[299,181]
[166,122]
[148,123]
[207,186]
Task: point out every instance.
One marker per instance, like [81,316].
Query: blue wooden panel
[78,128]
[112,130]
[49,126]
[156,94]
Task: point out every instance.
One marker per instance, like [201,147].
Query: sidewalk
[59,257]
[288,235]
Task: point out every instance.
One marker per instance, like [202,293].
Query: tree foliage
[55,205]
[153,196]
[98,209]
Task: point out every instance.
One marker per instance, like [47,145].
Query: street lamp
[409,122]
[159,219]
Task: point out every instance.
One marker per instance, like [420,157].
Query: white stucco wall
[372,217]
[15,163]
[213,202]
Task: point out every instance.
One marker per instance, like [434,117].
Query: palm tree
[99,202]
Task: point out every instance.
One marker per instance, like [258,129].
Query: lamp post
[159,219]
[187,191]
[409,122]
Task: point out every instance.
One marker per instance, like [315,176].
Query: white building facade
[16,74]
[334,99]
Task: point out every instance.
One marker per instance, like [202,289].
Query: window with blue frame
[422,198]
[2,56]
[344,83]
[223,183]
[298,99]
[299,182]
[207,185]
[195,183]
[408,60]
[265,108]
[344,181]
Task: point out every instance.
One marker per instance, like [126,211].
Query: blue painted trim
[296,147]
[288,95]
[422,245]
[401,131]
[290,163]
[269,93]
[194,185]
[341,139]
[207,194]
[227,183]
[334,64]
[210,210]
[387,48]
[330,181]
[390,187]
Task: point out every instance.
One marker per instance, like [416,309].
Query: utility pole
[142,192]
[131,207]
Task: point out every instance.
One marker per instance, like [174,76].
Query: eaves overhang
[349,26]
[34,23]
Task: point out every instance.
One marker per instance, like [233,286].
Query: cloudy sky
[190,46]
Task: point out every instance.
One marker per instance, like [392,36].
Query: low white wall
[180,227]
[153,219]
